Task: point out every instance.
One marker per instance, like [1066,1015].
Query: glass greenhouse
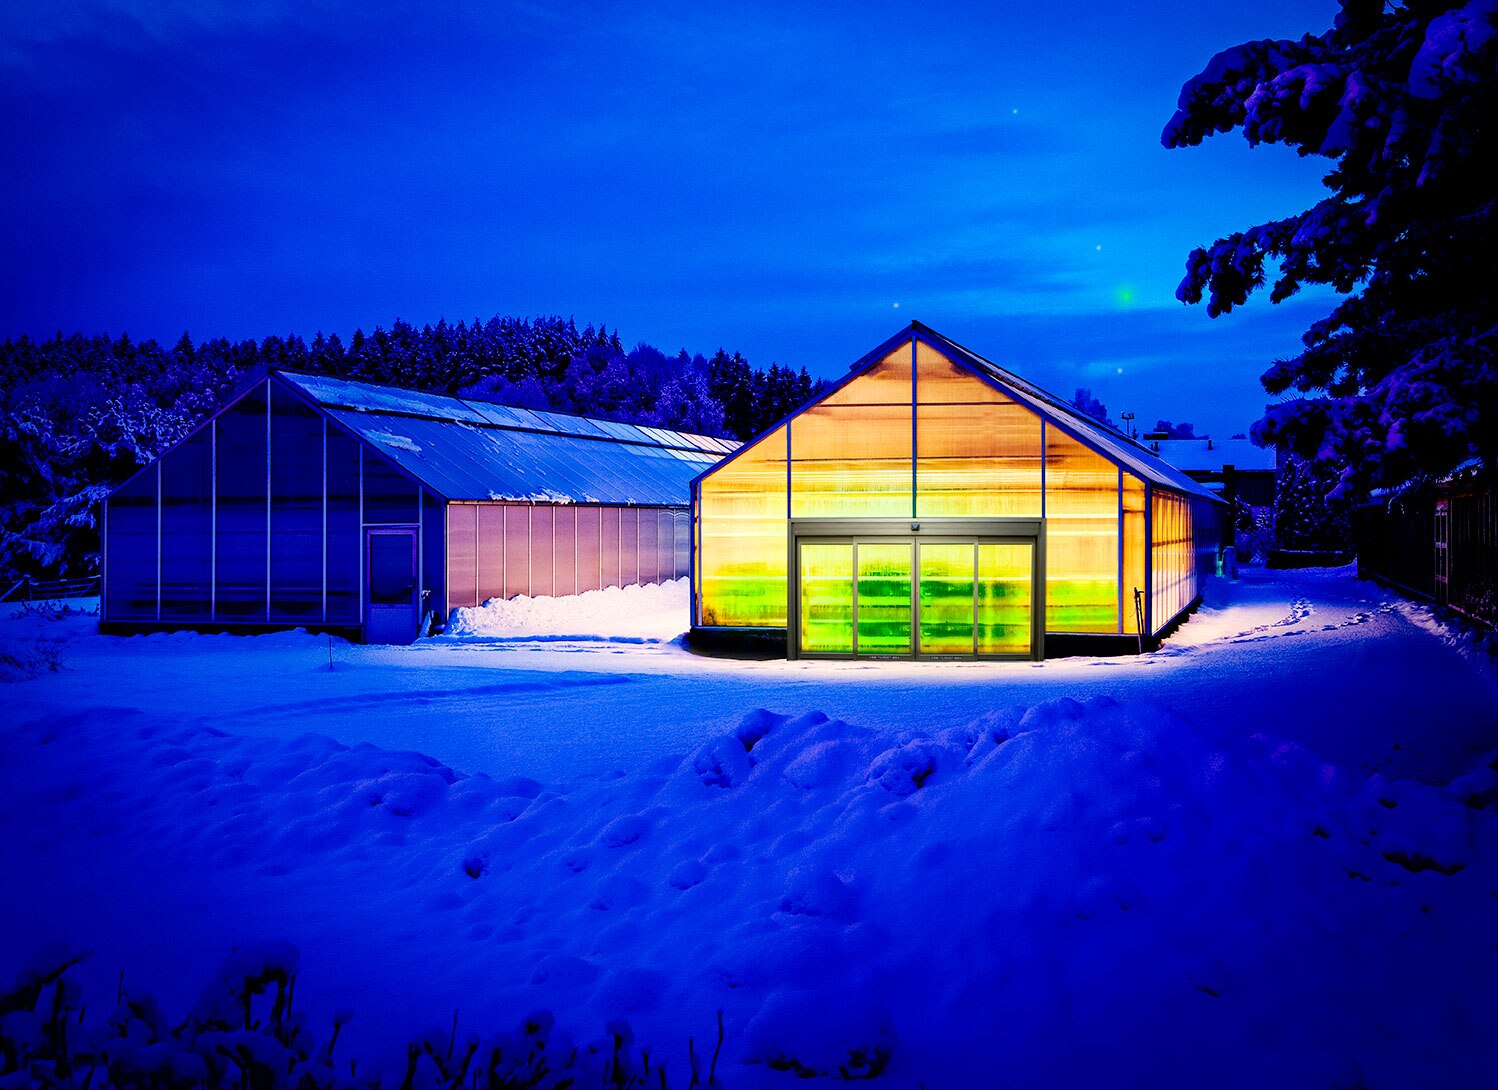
[932,504]
[315,502]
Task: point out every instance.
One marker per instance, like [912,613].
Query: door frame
[391,530]
[996,531]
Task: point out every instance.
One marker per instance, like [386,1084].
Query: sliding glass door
[903,598]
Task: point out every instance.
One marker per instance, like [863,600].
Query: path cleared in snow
[1209,866]
[1338,665]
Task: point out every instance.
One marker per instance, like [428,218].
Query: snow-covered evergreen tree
[1402,98]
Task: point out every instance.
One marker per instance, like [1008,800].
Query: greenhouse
[934,505]
[315,502]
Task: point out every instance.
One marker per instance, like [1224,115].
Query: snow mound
[1089,880]
[650,613]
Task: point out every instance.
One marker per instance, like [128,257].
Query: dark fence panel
[1472,555]
[1441,544]
[1396,542]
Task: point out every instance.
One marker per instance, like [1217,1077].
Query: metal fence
[28,590]
[1466,548]
[1440,544]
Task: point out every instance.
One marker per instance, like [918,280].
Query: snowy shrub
[244,1033]
[24,659]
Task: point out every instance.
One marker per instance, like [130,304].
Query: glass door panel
[946,597]
[884,599]
[826,598]
[1004,598]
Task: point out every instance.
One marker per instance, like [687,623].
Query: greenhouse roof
[476,450]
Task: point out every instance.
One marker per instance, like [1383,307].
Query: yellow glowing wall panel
[886,383]
[851,453]
[977,452]
[1081,510]
[1172,556]
[742,539]
[1134,559]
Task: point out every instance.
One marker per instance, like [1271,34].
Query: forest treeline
[80,414]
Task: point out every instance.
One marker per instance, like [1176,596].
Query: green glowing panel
[826,598]
[884,599]
[1004,599]
[946,595]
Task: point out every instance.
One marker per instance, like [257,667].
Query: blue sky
[792,181]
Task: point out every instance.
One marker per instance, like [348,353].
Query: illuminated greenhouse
[934,505]
[371,511]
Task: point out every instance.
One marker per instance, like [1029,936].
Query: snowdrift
[651,613]
[1065,892]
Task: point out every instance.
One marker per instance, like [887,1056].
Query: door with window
[915,598]
[392,595]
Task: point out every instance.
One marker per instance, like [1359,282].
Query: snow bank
[1071,893]
[651,613]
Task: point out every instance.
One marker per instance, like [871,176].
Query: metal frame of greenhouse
[373,511]
[933,505]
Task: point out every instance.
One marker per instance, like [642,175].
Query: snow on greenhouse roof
[1109,442]
[1211,455]
[476,450]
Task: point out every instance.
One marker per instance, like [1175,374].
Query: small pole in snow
[1139,617]
[330,652]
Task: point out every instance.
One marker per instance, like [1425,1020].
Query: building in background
[934,505]
[1232,468]
[314,502]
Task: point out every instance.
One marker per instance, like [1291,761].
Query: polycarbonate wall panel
[629,546]
[563,550]
[1172,556]
[187,529]
[608,546]
[1134,555]
[389,495]
[541,551]
[978,453]
[489,549]
[681,544]
[505,550]
[851,453]
[296,510]
[130,551]
[649,540]
[433,568]
[589,549]
[344,548]
[1081,508]
[517,550]
[741,558]
[462,554]
[243,517]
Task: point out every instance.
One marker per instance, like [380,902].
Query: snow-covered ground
[1267,853]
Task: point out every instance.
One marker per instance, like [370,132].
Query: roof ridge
[644,439]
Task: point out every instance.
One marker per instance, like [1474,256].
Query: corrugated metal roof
[476,450]
[1111,443]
